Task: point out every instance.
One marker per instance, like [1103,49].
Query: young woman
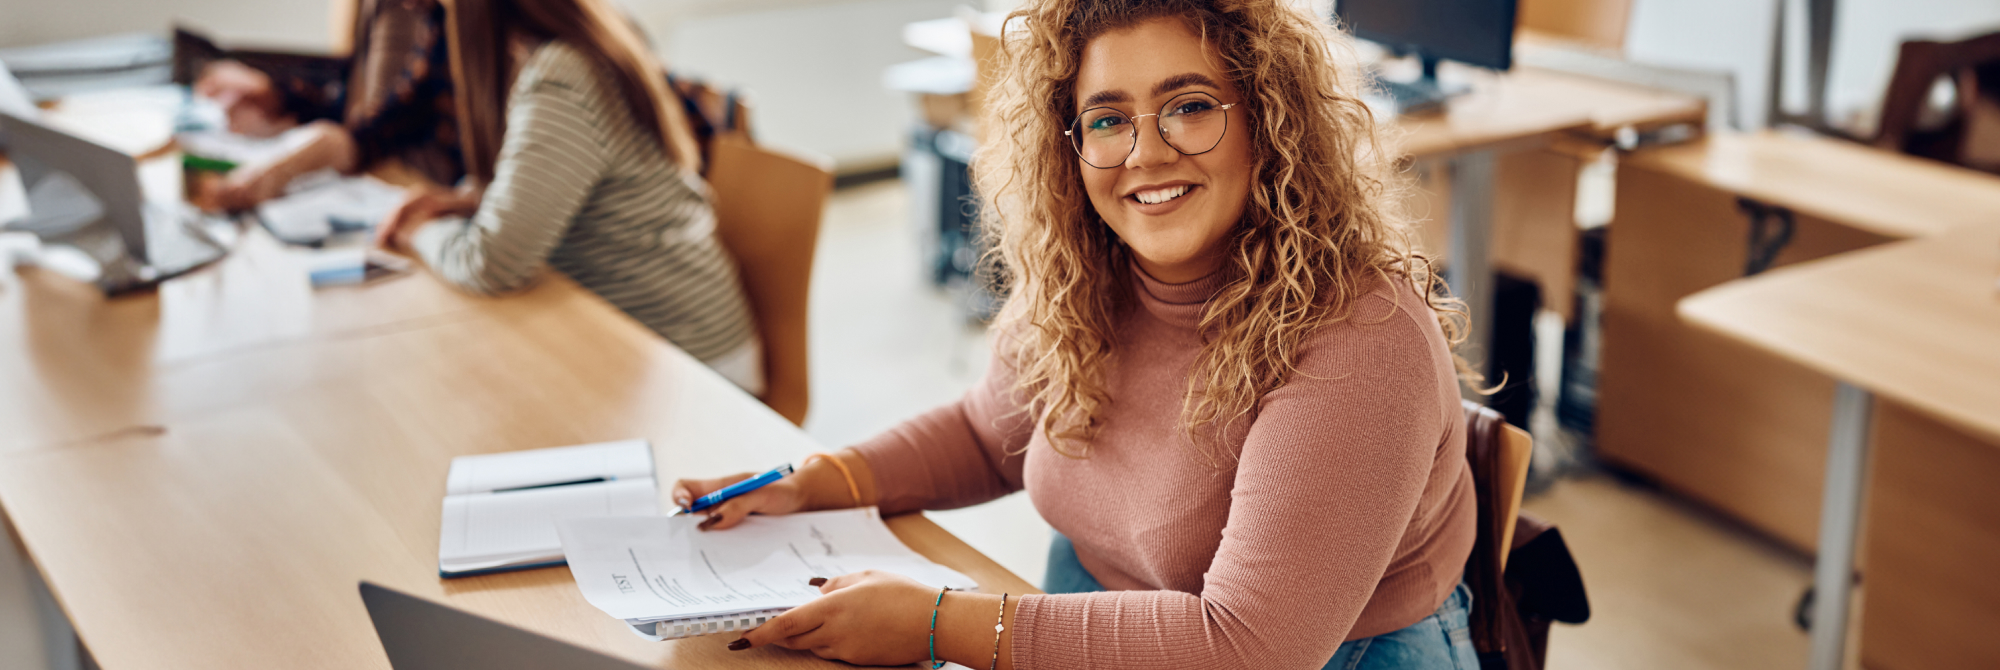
[578,160]
[391,98]
[1221,374]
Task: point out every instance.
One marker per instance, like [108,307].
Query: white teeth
[1157,196]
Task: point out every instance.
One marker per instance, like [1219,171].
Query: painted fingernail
[739,645]
[817,581]
[708,523]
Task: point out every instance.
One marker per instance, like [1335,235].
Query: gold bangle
[999,625]
[852,488]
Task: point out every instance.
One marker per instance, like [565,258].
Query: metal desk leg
[1471,271]
[1839,523]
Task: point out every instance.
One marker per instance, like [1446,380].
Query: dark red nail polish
[708,523]
[739,645]
[817,581]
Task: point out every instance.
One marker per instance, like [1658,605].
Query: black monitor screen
[1479,32]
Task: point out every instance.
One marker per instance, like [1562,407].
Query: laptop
[423,635]
[87,195]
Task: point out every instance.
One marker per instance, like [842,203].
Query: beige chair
[767,209]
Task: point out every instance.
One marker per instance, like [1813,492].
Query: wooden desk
[232,532]
[1731,426]
[1914,323]
[1522,109]
[204,473]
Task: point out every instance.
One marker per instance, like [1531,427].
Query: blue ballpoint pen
[736,489]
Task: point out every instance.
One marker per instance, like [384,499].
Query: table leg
[1839,523]
[1471,270]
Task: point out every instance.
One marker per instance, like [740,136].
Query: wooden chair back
[1968,134]
[1498,455]
[767,209]
[1517,450]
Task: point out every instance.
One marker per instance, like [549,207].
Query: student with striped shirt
[577,161]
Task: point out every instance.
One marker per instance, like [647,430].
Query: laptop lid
[110,175]
[423,635]
[14,98]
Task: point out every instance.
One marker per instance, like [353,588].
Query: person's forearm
[965,632]
[329,147]
[826,487]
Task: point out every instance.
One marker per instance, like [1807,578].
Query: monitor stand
[1419,96]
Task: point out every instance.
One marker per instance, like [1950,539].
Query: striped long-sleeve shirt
[581,187]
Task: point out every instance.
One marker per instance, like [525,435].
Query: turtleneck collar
[1177,304]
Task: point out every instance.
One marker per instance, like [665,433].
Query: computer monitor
[1474,32]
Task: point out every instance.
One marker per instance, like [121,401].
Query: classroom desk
[1521,109]
[1913,322]
[232,532]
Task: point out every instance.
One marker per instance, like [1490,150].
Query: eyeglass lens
[1191,123]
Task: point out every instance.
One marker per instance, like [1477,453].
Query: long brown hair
[479,33]
[1324,219]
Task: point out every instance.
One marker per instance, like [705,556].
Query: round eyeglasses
[1191,123]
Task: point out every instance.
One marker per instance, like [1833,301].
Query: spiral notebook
[668,580]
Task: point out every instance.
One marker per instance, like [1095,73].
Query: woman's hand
[327,145]
[247,98]
[422,205]
[816,485]
[785,496]
[865,618]
[246,187]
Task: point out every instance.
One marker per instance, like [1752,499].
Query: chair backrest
[1498,455]
[1517,449]
[767,208]
[1966,135]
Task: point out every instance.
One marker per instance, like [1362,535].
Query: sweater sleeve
[551,158]
[1328,480]
[964,453]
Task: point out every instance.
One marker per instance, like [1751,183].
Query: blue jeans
[1441,641]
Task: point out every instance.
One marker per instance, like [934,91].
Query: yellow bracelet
[852,488]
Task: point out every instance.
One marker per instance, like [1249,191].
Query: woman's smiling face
[1174,210]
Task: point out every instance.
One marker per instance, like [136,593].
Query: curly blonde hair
[1323,218]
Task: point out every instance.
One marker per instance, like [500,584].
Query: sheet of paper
[311,214]
[484,530]
[491,472]
[657,568]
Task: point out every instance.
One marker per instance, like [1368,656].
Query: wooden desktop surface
[1914,321]
[1526,105]
[211,499]
[1881,192]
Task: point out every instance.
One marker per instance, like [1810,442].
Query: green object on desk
[194,162]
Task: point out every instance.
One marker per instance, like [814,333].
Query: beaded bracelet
[935,664]
[852,489]
[999,626]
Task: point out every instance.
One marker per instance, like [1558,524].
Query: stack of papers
[668,580]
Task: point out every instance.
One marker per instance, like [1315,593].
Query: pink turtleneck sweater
[1344,511]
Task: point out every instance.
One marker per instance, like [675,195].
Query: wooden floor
[1671,586]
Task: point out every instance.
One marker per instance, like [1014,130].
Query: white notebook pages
[668,580]
[501,510]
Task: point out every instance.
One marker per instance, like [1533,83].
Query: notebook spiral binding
[674,629]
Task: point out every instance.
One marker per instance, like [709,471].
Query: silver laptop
[423,635]
[87,195]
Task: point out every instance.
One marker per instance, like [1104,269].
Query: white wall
[1731,35]
[813,68]
[297,24]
